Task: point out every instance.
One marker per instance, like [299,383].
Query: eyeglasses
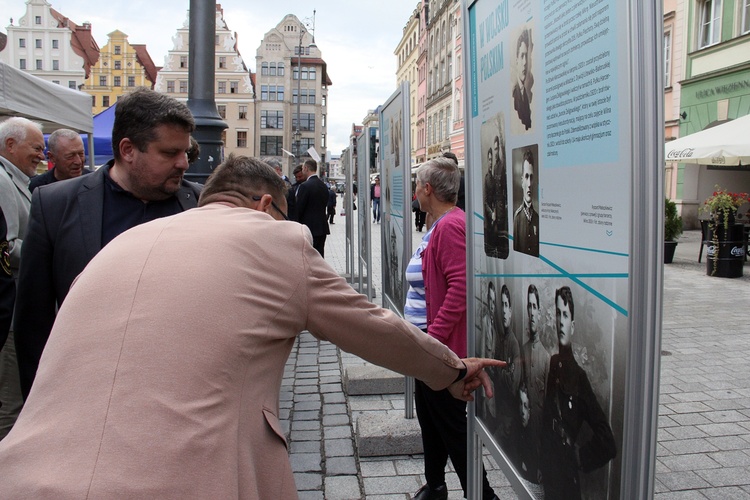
[274,205]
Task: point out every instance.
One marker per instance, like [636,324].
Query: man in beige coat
[161,375]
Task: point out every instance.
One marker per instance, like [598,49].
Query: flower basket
[726,249]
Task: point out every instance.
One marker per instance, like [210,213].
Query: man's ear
[572,328]
[127,149]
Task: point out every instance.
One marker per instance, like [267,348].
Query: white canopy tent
[727,144]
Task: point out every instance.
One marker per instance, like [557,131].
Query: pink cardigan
[444,272]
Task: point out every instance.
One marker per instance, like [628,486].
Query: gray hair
[16,128]
[272,162]
[244,176]
[444,177]
[63,133]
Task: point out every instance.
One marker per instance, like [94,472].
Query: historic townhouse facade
[47,44]
[715,88]
[421,148]
[234,90]
[674,58]
[457,137]
[121,68]
[292,105]
[407,53]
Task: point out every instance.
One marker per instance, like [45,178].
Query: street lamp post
[297,133]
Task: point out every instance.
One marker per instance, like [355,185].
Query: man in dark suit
[312,200]
[65,152]
[7,284]
[71,221]
[521,98]
[291,194]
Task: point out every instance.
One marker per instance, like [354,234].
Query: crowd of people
[152,317]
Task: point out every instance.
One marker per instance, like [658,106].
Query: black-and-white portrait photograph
[522,81]
[526,200]
[550,412]
[494,188]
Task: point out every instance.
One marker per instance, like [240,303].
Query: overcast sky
[357,40]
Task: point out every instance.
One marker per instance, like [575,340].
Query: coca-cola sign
[676,154]
[738,251]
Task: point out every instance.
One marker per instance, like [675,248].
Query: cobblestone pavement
[704,406]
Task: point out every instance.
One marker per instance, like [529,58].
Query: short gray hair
[444,177]
[16,128]
[272,162]
[63,133]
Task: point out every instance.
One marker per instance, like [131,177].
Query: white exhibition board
[553,154]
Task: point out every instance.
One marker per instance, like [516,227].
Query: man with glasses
[165,362]
[65,152]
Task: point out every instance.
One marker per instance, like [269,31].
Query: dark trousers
[442,419]
[319,244]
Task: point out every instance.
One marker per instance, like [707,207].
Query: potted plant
[672,229]
[722,207]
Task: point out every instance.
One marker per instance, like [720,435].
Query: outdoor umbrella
[725,144]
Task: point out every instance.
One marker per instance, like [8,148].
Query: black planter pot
[728,257]
[669,248]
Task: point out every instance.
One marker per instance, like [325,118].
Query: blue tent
[103,123]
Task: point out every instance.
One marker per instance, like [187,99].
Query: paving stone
[342,488]
[338,432]
[685,446]
[306,435]
[727,476]
[334,398]
[687,432]
[736,458]
[305,425]
[730,429]
[397,484]
[730,442]
[339,447]
[306,415]
[678,481]
[728,493]
[305,462]
[307,406]
[311,495]
[339,466]
[691,407]
[335,409]
[692,462]
[307,481]
[305,447]
[680,495]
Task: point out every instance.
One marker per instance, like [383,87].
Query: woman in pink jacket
[442,419]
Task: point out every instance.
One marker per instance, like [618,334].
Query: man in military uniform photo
[526,217]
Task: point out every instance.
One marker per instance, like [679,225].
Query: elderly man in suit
[65,151]
[21,150]
[176,395]
[71,221]
[311,204]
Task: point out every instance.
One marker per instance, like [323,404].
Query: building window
[264,69]
[222,62]
[38,43]
[56,82]
[667,58]
[272,69]
[131,81]
[118,64]
[38,64]
[323,101]
[242,114]
[234,87]
[183,86]
[93,101]
[72,84]
[323,141]
[222,88]
[304,72]
[222,109]
[271,119]
[304,144]
[105,101]
[117,81]
[280,93]
[323,121]
[270,145]
[313,74]
[280,68]
[22,42]
[306,123]
[55,65]
[183,62]
[22,63]
[102,81]
[118,50]
[709,30]
[170,86]
[242,138]
[264,92]
[37,19]
[216,39]
[55,44]
[295,73]
[746,16]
